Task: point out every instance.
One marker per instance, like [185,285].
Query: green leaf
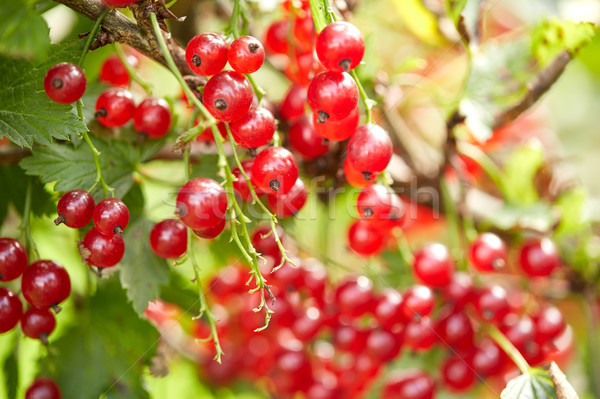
[11,374]
[14,188]
[142,272]
[106,351]
[319,13]
[455,8]
[27,115]
[538,217]
[534,385]
[519,172]
[419,20]
[572,207]
[23,32]
[553,36]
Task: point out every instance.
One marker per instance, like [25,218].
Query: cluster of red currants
[103,244]
[44,285]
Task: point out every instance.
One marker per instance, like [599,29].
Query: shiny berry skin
[332,95]
[550,324]
[264,241]
[43,388]
[420,335]
[370,149]
[246,54]
[365,238]
[293,104]
[11,309]
[305,140]
[302,67]
[104,250]
[433,266]
[337,130]
[13,259]
[410,384]
[65,83]
[457,375]
[227,96]
[114,72]
[152,117]
[75,209]
[488,359]
[211,232]
[349,338]
[539,257]
[255,129]
[355,178]
[276,37]
[418,302]
[288,204]
[383,346]
[460,290]
[275,170]
[388,310]
[491,304]
[119,3]
[111,216]
[308,324]
[206,54]
[340,46]
[45,283]
[355,297]
[455,329]
[115,107]
[304,33]
[381,206]
[202,203]
[168,239]
[240,185]
[488,253]
[38,324]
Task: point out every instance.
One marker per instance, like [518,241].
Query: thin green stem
[148,88]
[367,102]
[91,36]
[25,225]
[508,348]
[404,249]
[234,26]
[590,303]
[476,154]
[260,92]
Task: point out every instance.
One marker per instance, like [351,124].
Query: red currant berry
[38,324]
[255,129]
[292,105]
[114,72]
[337,130]
[491,304]
[206,54]
[539,257]
[355,297]
[211,232]
[340,46]
[519,330]
[305,140]
[411,384]
[275,170]
[13,259]
[152,117]
[208,136]
[488,253]
[288,204]
[202,203]
[460,290]
[168,239]
[350,338]
[388,311]
[365,238]
[43,388]
[370,149]
[457,375]
[111,216]
[332,95]
[418,302]
[115,107]
[65,83]
[264,242]
[302,67]
[11,309]
[488,359]
[550,324]
[295,5]
[227,96]
[355,178]
[276,37]
[246,54]
[240,185]
[380,205]
[420,335]
[103,250]
[307,325]
[45,283]
[455,330]
[304,33]
[383,346]
[75,209]
[119,3]
[433,266]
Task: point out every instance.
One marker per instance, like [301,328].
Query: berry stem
[508,348]
[483,160]
[367,102]
[132,72]
[25,225]
[92,36]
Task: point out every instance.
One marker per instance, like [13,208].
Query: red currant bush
[370,149]
[101,250]
[337,130]
[288,204]
[11,309]
[365,238]
[43,388]
[488,253]
[340,46]
[332,95]
[45,284]
[275,170]
[246,54]
[65,83]
[111,216]
[227,96]
[206,54]
[255,129]
[152,117]
[168,239]
[305,140]
[539,257]
[433,265]
[75,209]
[38,324]
[13,259]
[115,107]
[202,203]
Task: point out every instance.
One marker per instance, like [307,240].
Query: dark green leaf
[534,385]
[135,201]
[23,32]
[554,36]
[142,272]
[11,373]
[319,13]
[14,188]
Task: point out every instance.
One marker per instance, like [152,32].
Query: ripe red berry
[340,46]
[305,140]
[381,206]
[308,324]
[388,311]
[11,309]
[276,37]
[264,242]
[488,359]
[410,384]
[302,67]
[383,346]
[13,259]
[455,330]
[119,3]
[350,338]
[460,290]
[202,203]
[304,33]
[491,304]
[255,129]
[152,117]
[337,130]
[420,335]
[104,250]
[332,95]
[115,107]
[550,324]
[75,209]
[240,185]
[355,297]
[370,149]
[246,54]
[433,266]
[539,257]
[38,324]
[275,170]
[45,283]
[168,239]
[457,375]
[355,178]
[293,104]
[111,216]
[487,253]
[43,388]
[227,96]
[206,54]
[114,72]
[418,302]
[65,83]
[211,232]
[288,204]
[365,238]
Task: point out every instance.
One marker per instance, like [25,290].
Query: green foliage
[534,385]
[23,32]
[466,15]
[27,115]
[319,13]
[106,351]
[554,36]
[11,374]
[14,188]
[519,172]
